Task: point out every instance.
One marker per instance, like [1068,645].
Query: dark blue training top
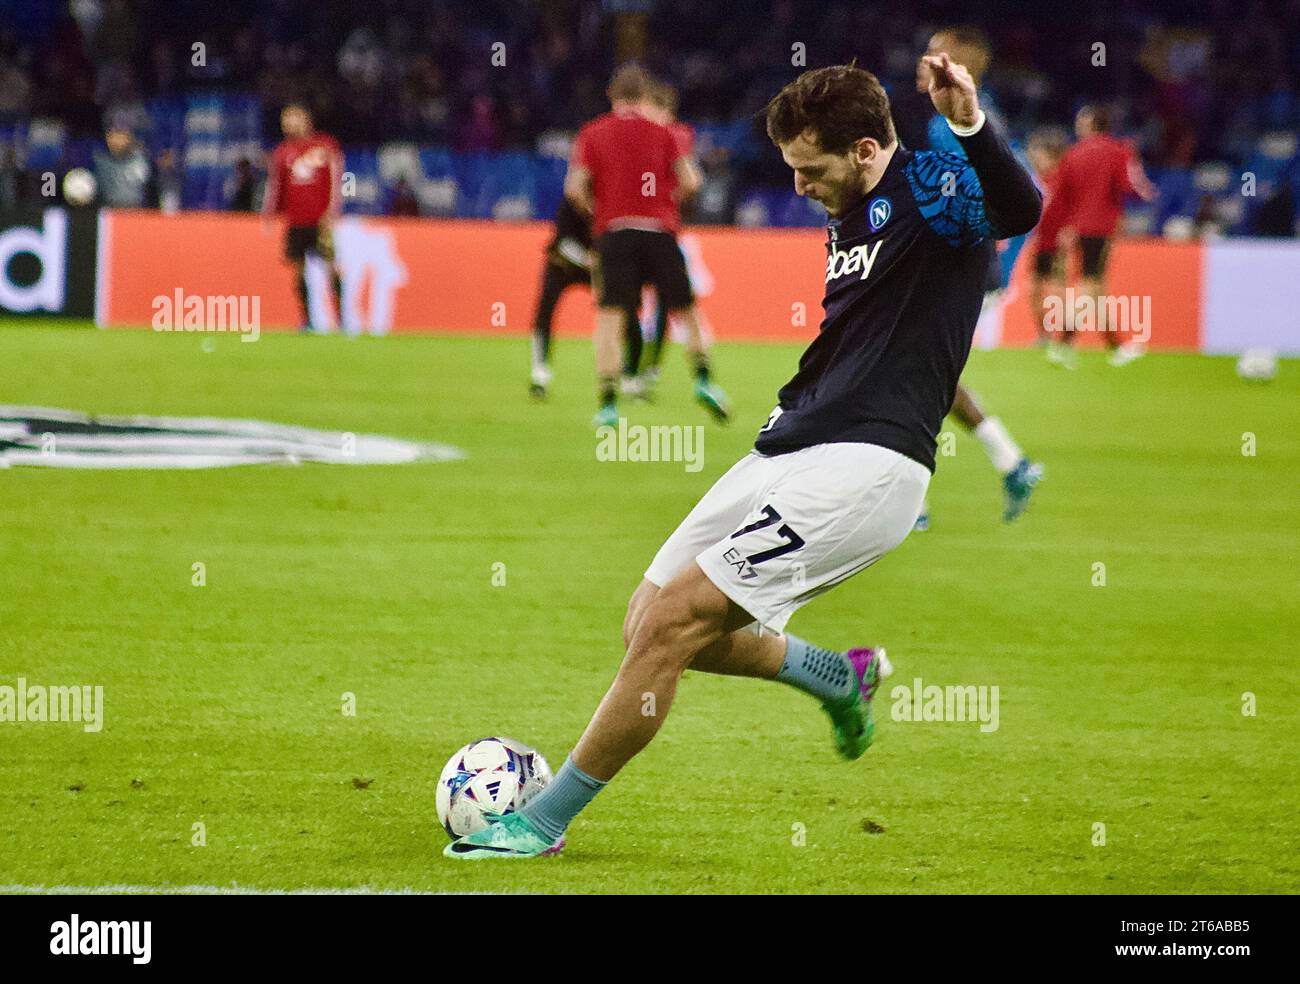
[905,276]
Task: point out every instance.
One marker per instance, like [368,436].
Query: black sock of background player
[633,343]
[701,367]
[337,284]
[608,391]
[661,331]
[302,296]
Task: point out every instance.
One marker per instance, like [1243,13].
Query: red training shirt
[1092,180]
[684,134]
[304,179]
[623,151]
[1049,226]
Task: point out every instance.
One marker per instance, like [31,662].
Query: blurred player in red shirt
[1092,181]
[628,172]
[304,183]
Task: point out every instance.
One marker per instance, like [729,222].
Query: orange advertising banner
[1158,284]
[426,275]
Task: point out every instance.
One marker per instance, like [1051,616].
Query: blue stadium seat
[548,185]
[45,142]
[507,188]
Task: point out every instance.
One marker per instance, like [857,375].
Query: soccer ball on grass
[487,779]
[1258,365]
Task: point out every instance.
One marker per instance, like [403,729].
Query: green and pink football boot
[513,836]
[851,716]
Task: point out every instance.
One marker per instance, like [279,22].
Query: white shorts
[775,532]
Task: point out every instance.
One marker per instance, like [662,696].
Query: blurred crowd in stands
[1195,84]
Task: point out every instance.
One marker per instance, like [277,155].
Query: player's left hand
[952,90]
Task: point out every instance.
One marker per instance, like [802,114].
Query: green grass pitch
[1120,705]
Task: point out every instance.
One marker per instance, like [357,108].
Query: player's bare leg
[650,375]
[688,624]
[633,346]
[1059,337]
[608,342]
[1019,474]
[740,653]
[687,615]
[540,376]
[1040,290]
[683,618]
[300,288]
[336,289]
[1094,289]
[1037,296]
[708,393]
[691,624]
[1121,352]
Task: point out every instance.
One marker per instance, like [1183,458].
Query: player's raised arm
[1012,202]
[271,193]
[688,177]
[577,179]
[577,188]
[1136,181]
[336,165]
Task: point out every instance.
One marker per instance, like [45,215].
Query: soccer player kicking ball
[839,471]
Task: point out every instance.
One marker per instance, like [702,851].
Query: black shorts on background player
[1093,251]
[632,258]
[301,240]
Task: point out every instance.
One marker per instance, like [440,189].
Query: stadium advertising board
[464,276]
[47,262]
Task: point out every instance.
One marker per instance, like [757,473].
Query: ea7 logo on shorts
[744,570]
[878,213]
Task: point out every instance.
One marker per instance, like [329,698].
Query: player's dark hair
[663,95]
[968,35]
[1100,116]
[630,83]
[973,38]
[1049,139]
[841,104]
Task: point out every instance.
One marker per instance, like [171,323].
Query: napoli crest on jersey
[878,213]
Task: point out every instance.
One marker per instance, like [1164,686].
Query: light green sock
[824,673]
[564,797]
